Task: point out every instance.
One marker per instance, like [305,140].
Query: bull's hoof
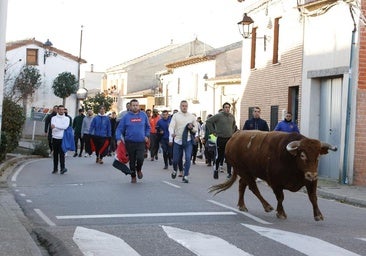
[268,208]
[318,218]
[281,216]
[243,208]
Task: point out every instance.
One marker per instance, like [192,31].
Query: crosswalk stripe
[203,244]
[96,243]
[362,238]
[307,245]
[137,215]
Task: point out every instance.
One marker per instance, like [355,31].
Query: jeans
[178,155]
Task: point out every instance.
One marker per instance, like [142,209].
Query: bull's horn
[327,145]
[293,145]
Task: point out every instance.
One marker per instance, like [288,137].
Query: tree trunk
[64,102]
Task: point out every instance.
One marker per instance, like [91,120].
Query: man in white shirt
[183,129]
[59,123]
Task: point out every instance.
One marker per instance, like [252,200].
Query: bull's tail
[224,186]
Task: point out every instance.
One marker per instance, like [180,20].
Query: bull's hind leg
[242,187]
[279,195]
[253,187]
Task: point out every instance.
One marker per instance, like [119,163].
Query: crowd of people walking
[181,137]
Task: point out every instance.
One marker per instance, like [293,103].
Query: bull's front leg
[311,189]
[279,196]
[242,187]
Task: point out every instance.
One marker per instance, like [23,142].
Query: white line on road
[241,212]
[22,194]
[203,244]
[14,177]
[307,245]
[44,217]
[28,201]
[137,215]
[171,184]
[94,242]
[361,238]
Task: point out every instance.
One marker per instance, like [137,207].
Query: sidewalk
[16,240]
[14,237]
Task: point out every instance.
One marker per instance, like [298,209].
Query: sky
[115,31]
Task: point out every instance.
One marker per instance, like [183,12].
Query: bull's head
[307,152]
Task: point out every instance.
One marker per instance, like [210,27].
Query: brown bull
[284,160]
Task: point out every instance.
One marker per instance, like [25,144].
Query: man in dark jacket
[47,127]
[76,125]
[256,123]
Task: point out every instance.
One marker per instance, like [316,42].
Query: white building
[50,62]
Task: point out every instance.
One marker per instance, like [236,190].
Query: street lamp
[47,50]
[81,94]
[245,29]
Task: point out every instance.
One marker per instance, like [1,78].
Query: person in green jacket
[222,125]
[76,125]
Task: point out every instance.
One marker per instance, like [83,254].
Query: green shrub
[41,148]
[12,124]
[3,147]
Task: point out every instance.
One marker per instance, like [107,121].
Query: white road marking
[28,201]
[44,217]
[14,177]
[307,245]
[22,195]
[96,243]
[361,238]
[137,215]
[241,212]
[171,184]
[203,244]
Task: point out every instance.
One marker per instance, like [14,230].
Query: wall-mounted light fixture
[245,29]
[47,50]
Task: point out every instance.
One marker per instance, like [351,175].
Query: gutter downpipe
[348,111]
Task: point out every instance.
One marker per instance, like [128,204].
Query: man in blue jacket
[256,122]
[134,129]
[100,131]
[287,125]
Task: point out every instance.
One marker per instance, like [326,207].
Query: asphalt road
[94,208]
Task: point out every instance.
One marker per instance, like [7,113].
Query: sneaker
[86,155]
[209,164]
[100,160]
[97,160]
[200,156]
[185,179]
[193,162]
[156,157]
[75,155]
[228,176]
[63,171]
[54,171]
[139,175]
[165,167]
[180,174]
[152,159]
[216,174]
[174,174]
[133,179]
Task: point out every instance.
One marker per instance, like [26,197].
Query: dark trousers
[49,137]
[135,152]
[78,137]
[167,151]
[101,146]
[154,144]
[58,154]
[87,143]
[220,145]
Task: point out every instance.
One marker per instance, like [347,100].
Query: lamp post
[245,29]
[47,50]
[79,59]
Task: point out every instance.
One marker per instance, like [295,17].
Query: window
[32,56]
[274,117]
[276,33]
[293,102]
